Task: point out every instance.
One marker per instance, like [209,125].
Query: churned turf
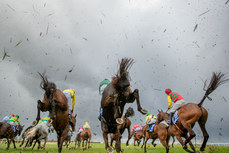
[99,148]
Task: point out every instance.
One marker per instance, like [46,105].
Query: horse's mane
[49,87]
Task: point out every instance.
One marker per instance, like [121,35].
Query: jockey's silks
[173,96]
[14,119]
[73,96]
[149,117]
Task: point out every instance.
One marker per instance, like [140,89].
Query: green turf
[99,148]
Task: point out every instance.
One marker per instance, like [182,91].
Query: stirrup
[119,120]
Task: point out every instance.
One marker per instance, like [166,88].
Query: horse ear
[161,110]
[75,115]
[23,126]
[158,111]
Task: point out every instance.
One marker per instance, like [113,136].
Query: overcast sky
[175,44]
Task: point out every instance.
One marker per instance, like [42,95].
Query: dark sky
[175,44]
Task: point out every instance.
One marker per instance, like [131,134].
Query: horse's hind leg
[190,131]
[182,143]
[23,140]
[205,134]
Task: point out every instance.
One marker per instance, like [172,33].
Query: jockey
[71,97]
[80,129]
[103,85]
[45,120]
[14,121]
[6,118]
[150,119]
[86,126]
[136,128]
[178,102]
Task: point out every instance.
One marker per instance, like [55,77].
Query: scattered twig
[205,12]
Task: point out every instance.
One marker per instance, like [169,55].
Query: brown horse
[191,113]
[114,98]
[6,131]
[56,103]
[78,140]
[85,136]
[137,137]
[125,125]
[160,132]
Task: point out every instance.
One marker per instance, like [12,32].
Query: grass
[99,148]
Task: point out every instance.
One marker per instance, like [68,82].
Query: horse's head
[20,129]
[121,81]
[74,122]
[160,116]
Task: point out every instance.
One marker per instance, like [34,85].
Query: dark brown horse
[86,137]
[6,131]
[78,140]
[114,98]
[56,103]
[125,125]
[191,113]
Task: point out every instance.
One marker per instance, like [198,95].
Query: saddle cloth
[175,116]
[151,127]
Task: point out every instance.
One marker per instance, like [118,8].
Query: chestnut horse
[138,136]
[191,113]
[6,131]
[114,98]
[125,125]
[56,103]
[85,135]
[160,132]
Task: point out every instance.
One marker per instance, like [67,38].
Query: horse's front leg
[61,139]
[14,143]
[129,136]
[8,143]
[132,97]
[118,141]
[39,103]
[53,108]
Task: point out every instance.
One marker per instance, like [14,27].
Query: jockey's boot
[171,117]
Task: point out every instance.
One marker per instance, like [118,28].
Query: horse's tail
[26,131]
[49,87]
[129,112]
[216,80]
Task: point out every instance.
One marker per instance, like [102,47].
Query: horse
[191,113]
[125,125]
[78,140]
[68,138]
[137,136]
[7,131]
[85,135]
[114,98]
[56,103]
[37,133]
[160,132]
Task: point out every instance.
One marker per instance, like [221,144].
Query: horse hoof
[122,150]
[143,111]
[110,150]
[202,149]
[119,121]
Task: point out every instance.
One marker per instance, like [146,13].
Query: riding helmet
[167,91]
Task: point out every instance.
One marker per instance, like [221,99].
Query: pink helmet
[12,115]
[168,91]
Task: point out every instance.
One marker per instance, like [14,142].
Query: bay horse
[114,98]
[191,113]
[160,132]
[85,135]
[137,137]
[7,131]
[125,125]
[56,103]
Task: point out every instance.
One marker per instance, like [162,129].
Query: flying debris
[71,69]
[195,27]
[226,2]
[95,134]
[85,38]
[5,55]
[18,43]
[65,77]
[204,12]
